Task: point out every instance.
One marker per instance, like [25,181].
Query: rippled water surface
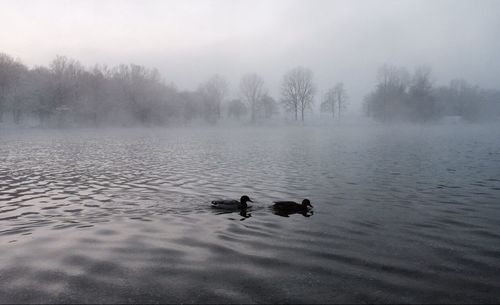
[400,215]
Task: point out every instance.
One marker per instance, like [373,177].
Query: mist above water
[130,63]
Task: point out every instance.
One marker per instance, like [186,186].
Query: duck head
[244,199]
[306,203]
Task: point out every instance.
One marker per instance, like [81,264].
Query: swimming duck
[292,206]
[232,204]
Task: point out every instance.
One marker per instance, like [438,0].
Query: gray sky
[188,41]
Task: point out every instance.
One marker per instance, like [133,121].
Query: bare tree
[341,97]
[421,97]
[269,106]
[10,74]
[335,100]
[94,104]
[214,91]
[252,90]
[20,97]
[329,103]
[67,75]
[236,108]
[388,101]
[400,96]
[297,90]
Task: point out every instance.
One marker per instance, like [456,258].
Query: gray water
[401,214]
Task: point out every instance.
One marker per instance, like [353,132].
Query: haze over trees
[403,96]
[65,93]
[269,107]
[335,100]
[252,91]
[68,94]
[12,78]
[236,108]
[469,102]
[297,91]
[214,91]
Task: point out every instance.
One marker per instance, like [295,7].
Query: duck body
[292,206]
[232,204]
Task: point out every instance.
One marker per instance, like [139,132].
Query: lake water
[401,214]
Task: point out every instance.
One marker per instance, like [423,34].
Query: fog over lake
[129,131]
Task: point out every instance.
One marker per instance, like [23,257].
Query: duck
[292,206]
[232,204]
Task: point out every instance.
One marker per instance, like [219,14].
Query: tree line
[65,93]
[403,96]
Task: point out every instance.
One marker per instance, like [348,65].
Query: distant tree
[94,103]
[141,90]
[191,102]
[269,106]
[67,90]
[329,103]
[236,108]
[389,100]
[214,92]
[20,96]
[42,93]
[421,97]
[467,101]
[335,100]
[10,74]
[297,90]
[252,90]
[392,89]
[342,97]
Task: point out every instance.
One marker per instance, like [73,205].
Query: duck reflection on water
[244,213]
[288,213]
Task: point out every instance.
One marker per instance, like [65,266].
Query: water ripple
[124,217]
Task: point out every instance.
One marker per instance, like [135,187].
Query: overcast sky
[188,41]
